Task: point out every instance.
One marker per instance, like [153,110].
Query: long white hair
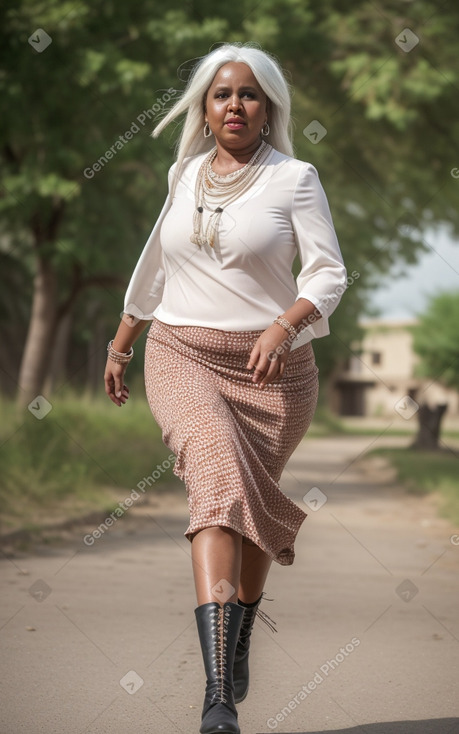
[269,76]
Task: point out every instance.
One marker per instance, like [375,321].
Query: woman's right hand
[129,329]
[115,388]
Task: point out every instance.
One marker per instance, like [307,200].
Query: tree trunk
[40,336]
[97,357]
[429,427]
[58,355]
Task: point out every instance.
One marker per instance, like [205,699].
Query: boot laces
[266,619]
[222,624]
[246,627]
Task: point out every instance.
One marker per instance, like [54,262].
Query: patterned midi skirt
[231,438]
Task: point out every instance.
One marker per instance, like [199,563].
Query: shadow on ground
[425,726]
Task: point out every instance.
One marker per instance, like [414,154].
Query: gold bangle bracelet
[119,357]
[286,325]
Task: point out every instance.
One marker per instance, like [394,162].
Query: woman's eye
[220,95]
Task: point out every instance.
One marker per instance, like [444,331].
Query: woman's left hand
[269,364]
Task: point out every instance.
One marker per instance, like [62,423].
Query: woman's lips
[235,125]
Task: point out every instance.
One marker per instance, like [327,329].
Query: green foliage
[391,119]
[79,449]
[435,339]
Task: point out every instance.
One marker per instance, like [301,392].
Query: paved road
[101,638]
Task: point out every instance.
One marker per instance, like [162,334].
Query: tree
[435,340]
[390,117]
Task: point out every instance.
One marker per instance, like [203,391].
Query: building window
[376,358]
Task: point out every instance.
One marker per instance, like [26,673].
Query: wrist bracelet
[119,357]
[286,325]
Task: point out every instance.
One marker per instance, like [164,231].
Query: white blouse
[246,280]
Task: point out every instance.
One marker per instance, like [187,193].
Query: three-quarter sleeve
[322,279]
[145,289]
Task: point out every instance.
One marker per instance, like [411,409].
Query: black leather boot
[218,629]
[241,658]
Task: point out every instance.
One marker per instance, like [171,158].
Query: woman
[229,367]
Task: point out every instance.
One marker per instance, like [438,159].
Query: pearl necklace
[226,188]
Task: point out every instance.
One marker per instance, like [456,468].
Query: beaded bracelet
[119,357]
[286,325]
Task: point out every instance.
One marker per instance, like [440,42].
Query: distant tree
[436,341]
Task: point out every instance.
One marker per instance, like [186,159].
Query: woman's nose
[234,102]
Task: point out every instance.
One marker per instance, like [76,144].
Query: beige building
[379,377]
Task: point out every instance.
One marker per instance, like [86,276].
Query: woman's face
[235,107]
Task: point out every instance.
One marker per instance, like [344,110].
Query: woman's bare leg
[255,566]
[216,554]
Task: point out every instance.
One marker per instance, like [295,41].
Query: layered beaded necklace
[224,188]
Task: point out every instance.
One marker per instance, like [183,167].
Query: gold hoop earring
[265,129]
[207,130]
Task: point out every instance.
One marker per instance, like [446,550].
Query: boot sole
[242,698]
[239,700]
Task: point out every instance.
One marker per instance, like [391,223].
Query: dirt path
[102,638]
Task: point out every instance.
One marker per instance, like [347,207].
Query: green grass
[71,461]
[428,471]
[87,451]
[326,423]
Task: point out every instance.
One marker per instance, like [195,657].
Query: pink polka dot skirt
[231,438]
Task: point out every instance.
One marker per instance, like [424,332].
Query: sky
[437,270]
